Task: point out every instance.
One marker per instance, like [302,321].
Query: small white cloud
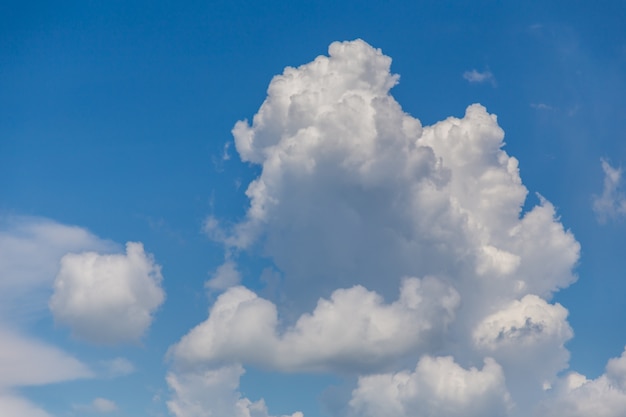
[612,203]
[107,299]
[477,77]
[224,277]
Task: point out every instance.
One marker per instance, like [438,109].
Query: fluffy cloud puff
[213,393]
[353,330]
[107,298]
[527,338]
[437,387]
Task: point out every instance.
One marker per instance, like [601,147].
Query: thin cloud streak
[611,204]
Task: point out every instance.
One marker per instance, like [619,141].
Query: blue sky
[115,127]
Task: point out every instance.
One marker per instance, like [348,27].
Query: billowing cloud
[352,331]
[612,203]
[476,77]
[437,387]
[213,393]
[107,298]
[353,193]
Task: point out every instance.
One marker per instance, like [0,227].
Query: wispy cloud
[98,405]
[117,367]
[612,203]
[541,106]
[477,77]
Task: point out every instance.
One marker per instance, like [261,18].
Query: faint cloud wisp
[612,203]
[477,77]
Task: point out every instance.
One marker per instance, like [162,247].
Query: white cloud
[354,193]
[213,393]
[227,275]
[612,203]
[437,387]
[352,331]
[577,396]
[477,77]
[107,298]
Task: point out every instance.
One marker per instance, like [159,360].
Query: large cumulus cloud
[354,195]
